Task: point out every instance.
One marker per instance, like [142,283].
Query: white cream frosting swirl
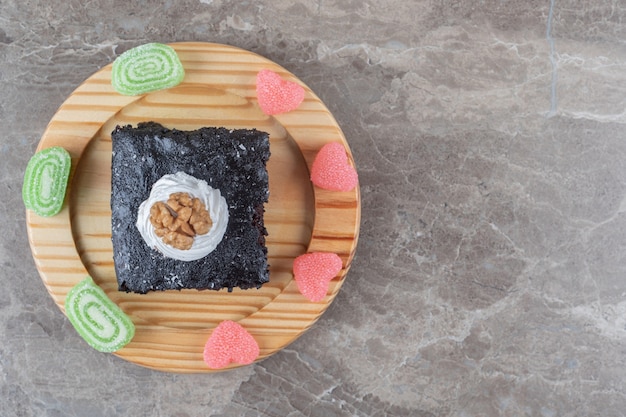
[210,197]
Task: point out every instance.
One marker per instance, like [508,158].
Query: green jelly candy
[146,68]
[45,181]
[103,325]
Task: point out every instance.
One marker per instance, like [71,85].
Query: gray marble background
[490,139]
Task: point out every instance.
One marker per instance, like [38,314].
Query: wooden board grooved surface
[218,90]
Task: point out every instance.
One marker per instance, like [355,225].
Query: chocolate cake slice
[231,161]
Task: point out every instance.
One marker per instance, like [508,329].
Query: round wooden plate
[218,90]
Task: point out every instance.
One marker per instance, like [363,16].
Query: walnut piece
[179,220]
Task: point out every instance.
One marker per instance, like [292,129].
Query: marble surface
[490,139]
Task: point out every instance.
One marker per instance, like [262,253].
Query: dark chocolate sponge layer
[233,161]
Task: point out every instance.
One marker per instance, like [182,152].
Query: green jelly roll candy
[45,181]
[103,325]
[145,68]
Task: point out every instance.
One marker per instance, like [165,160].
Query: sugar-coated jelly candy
[145,68]
[313,273]
[331,169]
[229,343]
[45,181]
[276,95]
[103,325]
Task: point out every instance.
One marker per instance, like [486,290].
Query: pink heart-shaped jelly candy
[230,343]
[331,170]
[314,271]
[276,95]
